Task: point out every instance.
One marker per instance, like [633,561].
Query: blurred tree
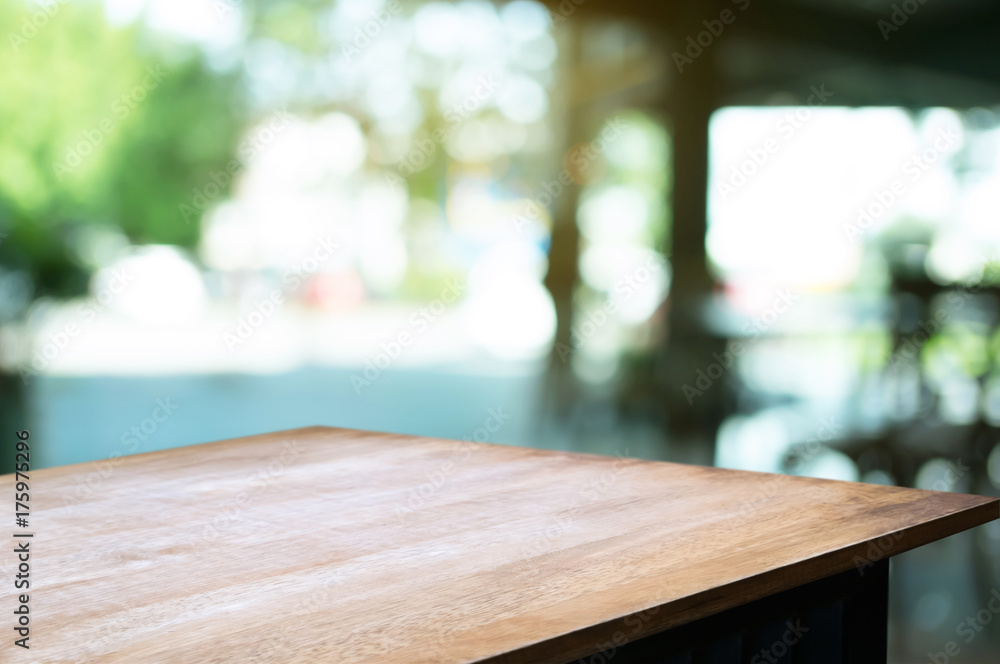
[101,127]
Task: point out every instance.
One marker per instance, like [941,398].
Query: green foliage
[99,127]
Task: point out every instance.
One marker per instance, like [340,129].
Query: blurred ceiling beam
[637,78]
[959,43]
[962,46]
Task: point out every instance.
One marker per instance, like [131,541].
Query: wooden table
[334,545]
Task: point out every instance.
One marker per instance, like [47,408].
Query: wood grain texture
[334,545]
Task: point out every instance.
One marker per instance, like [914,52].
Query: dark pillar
[693,419]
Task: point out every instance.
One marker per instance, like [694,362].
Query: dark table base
[838,620]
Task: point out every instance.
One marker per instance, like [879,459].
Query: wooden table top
[335,545]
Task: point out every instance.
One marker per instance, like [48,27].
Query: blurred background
[760,235]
